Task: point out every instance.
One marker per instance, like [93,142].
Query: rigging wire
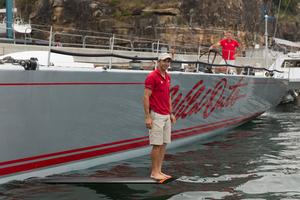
[287,5]
[277,19]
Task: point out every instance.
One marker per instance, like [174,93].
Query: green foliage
[138,3]
[115,2]
[2,3]
[287,7]
[125,8]
[126,13]
[116,14]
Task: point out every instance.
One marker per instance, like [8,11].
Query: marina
[205,104]
[80,108]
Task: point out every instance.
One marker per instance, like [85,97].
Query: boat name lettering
[207,100]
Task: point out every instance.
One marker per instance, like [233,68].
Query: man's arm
[218,44]
[172,116]
[239,49]
[148,119]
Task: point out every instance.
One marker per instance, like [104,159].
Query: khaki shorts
[160,132]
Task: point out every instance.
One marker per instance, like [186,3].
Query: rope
[30,64]
[156,58]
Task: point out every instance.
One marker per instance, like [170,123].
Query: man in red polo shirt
[158,113]
[229,47]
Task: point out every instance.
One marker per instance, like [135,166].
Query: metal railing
[92,40]
[103,40]
[116,43]
[70,37]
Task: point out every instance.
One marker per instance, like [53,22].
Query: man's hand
[173,119]
[148,122]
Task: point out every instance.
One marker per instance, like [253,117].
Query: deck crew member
[229,47]
[158,113]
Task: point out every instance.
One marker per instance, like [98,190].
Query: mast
[266,41]
[9,18]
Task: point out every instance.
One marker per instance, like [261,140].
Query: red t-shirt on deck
[228,49]
[160,87]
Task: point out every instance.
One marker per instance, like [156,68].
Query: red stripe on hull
[66,159]
[110,150]
[174,134]
[69,151]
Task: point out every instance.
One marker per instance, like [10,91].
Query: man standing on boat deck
[158,113]
[229,46]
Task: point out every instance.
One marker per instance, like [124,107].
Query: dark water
[259,160]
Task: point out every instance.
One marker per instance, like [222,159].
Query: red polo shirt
[228,49]
[160,87]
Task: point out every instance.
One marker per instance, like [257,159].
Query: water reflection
[259,160]
[279,168]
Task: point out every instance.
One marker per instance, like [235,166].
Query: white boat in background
[69,116]
[20,26]
[3,21]
[2,27]
[289,64]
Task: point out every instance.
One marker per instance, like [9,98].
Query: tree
[287,6]
[2,3]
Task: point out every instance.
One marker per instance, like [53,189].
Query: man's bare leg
[162,156]
[156,162]
[162,153]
